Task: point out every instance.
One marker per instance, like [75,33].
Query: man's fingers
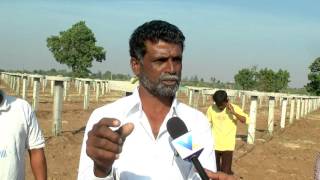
[109,122]
[125,130]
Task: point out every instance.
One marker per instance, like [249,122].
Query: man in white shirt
[19,131]
[128,139]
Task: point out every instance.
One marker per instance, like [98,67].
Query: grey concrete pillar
[57,108]
[24,87]
[271,114]
[52,88]
[36,91]
[292,103]
[306,106]
[44,84]
[97,89]
[196,99]
[18,86]
[302,107]
[283,112]
[65,90]
[298,108]
[58,84]
[86,97]
[243,103]
[253,115]
[103,88]
[80,87]
[190,97]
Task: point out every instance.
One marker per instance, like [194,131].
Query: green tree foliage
[271,81]
[281,80]
[76,47]
[262,80]
[266,80]
[313,86]
[246,78]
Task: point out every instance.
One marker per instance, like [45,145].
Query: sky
[222,37]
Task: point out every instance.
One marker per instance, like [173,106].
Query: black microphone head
[176,127]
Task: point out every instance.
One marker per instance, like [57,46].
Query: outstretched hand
[104,145]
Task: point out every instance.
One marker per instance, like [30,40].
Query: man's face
[160,70]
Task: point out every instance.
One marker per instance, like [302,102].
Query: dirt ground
[288,154]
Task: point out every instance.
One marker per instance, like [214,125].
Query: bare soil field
[288,154]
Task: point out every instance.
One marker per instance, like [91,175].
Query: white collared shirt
[19,131]
[143,157]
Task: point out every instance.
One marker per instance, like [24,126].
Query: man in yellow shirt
[223,117]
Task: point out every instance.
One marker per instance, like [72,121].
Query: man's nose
[170,67]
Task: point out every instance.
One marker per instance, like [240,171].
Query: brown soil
[288,154]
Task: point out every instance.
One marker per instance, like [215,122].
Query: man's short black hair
[154,31]
[219,97]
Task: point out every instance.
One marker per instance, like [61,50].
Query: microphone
[183,144]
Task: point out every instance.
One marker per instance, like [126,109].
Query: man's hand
[105,145]
[219,175]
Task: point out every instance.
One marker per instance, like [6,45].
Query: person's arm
[238,116]
[38,163]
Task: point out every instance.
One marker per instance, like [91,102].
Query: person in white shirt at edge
[19,131]
[128,139]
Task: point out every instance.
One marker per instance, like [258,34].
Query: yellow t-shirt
[224,126]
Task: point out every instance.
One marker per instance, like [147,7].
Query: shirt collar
[4,104]
[136,104]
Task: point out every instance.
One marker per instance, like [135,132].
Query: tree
[76,48]
[281,80]
[265,80]
[313,86]
[245,78]
[271,81]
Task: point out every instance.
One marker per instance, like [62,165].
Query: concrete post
[58,82]
[283,112]
[107,86]
[243,101]
[298,108]
[306,106]
[52,88]
[65,90]
[190,97]
[57,108]
[80,87]
[252,125]
[24,87]
[103,88]
[86,97]
[292,103]
[18,86]
[302,107]
[271,114]
[36,87]
[195,100]
[97,88]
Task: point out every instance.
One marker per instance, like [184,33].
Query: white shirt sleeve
[35,139]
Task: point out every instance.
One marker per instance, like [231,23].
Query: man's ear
[135,65]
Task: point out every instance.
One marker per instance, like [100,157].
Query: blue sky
[222,37]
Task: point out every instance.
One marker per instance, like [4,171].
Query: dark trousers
[224,161]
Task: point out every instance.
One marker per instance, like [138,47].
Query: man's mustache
[169,77]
